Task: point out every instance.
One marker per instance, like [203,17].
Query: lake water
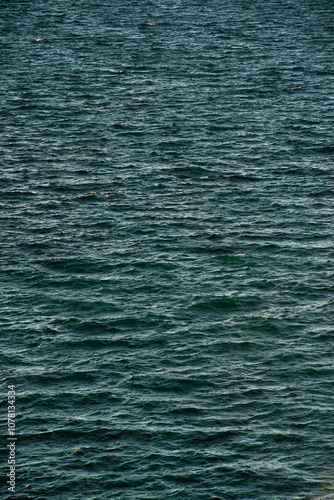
[167,260]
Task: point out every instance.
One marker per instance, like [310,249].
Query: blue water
[166,263]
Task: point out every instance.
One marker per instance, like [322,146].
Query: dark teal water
[166,264]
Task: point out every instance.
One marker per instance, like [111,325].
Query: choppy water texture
[167,248]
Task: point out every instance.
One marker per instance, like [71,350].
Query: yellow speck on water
[285,291]
[227,320]
[240,255]
[114,203]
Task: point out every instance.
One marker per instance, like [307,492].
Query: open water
[166,264]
